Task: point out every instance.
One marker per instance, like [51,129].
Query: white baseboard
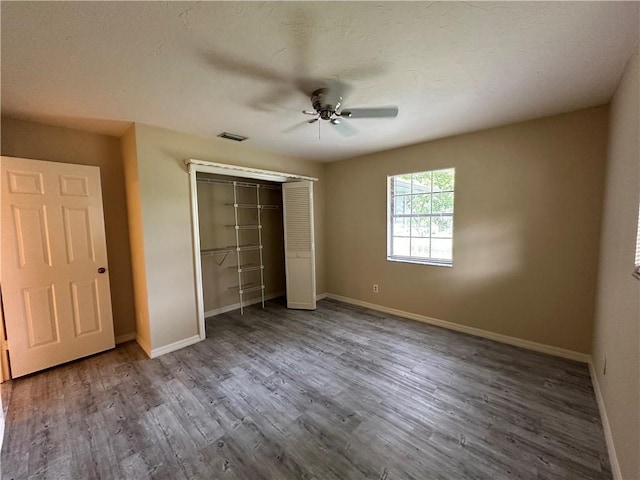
[321,296]
[518,342]
[172,347]
[236,306]
[127,337]
[613,458]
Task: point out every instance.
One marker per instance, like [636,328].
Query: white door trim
[244,172]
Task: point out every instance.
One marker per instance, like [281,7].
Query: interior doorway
[248,238]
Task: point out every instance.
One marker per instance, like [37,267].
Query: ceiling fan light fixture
[325,114]
[232,136]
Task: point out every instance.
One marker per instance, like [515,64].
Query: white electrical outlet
[375,288]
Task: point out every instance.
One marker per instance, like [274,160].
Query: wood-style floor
[338,393]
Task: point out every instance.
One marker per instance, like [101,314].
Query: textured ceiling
[208,67]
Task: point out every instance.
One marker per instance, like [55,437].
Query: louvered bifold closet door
[299,246]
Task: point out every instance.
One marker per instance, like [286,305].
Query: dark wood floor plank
[134,466]
[339,393]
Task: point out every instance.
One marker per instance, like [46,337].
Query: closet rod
[240,184]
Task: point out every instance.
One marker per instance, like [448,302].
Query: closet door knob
[102,270]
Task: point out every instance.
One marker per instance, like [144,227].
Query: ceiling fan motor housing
[321,105]
[327,102]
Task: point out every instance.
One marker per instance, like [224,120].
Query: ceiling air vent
[232,136]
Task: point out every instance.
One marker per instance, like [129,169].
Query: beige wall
[136,238]
[165,217]
[43,142]
[527,221]
[617,326]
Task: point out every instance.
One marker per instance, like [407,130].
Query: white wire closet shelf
[249,267]
[253,206]
[245,227]
[237,183]
[229,249]
[248,288]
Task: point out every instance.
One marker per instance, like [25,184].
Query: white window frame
[391,215]
[636,268]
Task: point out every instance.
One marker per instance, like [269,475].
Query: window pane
[401,227]
[443,180]
[421,204]
[402,205]
[442,202]
[420,247]
[442,227]
[441,249]
[420,223]
[400,246]
[421,182]
[402,185]
[420,227]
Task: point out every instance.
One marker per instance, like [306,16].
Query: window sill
[433,263]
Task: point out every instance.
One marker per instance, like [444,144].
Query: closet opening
[252,237]
[241,242]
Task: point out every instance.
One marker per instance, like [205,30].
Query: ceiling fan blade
[296,126]
[273,100]
[337,88]
[376,112]
[310,112]
[223,62]
[344,128]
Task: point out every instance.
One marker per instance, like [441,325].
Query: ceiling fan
[326,95]
[327,105]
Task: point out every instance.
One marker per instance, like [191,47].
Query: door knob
[102,270]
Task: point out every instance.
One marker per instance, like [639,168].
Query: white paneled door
[54,273]
[299,245]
